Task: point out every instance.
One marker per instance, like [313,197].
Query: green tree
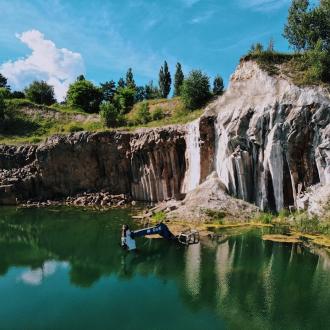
[2,110]
[178,80]
[130,83]
[140,94]
[121,83]
[108,90]
[17,95]
[124,99]
[5,93]
[143,113]
[110,115]
[164,81]
[296,29]
[81,78]
[3,81]
[40,92]
[158,114]
[151,91]
[196,90]
[85,95]
[218,85]
[317,64]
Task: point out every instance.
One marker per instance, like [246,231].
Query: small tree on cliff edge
[164,81]
[178,80]
[196,90]
[218,86]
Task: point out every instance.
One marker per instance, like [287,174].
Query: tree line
[115,99]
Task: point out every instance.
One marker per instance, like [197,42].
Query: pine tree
[121,83]
[218,86]
[130,79]
[108,90]
[178,80]
[164,81]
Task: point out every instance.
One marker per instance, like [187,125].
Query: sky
[58,40]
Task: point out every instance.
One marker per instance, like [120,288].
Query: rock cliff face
[267,139]
[272,138]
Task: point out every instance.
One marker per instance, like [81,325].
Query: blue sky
[103,38]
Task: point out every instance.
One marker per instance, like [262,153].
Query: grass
[215,216]
[268,60]
[293,65]
[21,127]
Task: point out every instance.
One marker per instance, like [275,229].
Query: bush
[40,92]
[84,95]
[5,93]
[110,115]
[2,109]
[316,63]
[17,95]
[124,99]
[159,217]
[143,113]
[195,90]
[75,128]
[158,114]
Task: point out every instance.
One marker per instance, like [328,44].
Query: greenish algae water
[63,269]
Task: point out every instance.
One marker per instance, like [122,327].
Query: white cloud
[263,5]
[58,66]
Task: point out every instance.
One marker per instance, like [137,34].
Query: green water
[63,269]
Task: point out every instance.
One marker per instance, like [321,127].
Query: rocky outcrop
[272,137]
[267,139]
[149,165]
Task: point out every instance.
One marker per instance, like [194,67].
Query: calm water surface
[63,269]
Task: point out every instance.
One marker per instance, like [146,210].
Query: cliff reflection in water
[243,280]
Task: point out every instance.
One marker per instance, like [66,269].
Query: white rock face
[193,157]
[272,137]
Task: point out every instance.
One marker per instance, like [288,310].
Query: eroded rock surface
[267,139]
[272,137]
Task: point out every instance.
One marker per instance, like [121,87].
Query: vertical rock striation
[267,139]
[272,137]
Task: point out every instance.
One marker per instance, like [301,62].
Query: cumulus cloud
[57,66]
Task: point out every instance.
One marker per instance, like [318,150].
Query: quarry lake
[63,268]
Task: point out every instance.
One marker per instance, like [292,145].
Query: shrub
[110,114]
[75,128]
[84,95]
[5,93]
[316,63]
[2,109]
[158,114]
[17,95]
[195,90]
[159,216]
[124,99]
[143,114]
[266,218]
[218,86]
[40,92]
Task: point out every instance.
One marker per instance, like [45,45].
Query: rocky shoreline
[98,199]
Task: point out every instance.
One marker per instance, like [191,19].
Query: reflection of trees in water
[244,280]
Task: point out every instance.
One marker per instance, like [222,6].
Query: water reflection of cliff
[244,280]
